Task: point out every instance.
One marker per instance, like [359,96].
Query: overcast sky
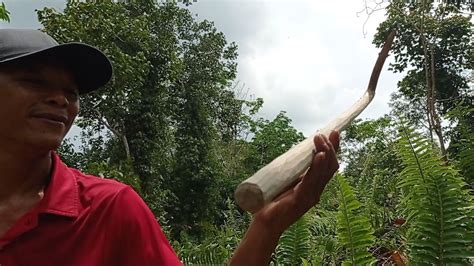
[311,58]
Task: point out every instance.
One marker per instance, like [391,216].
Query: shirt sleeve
[140,238]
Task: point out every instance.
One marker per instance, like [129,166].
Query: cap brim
[90,66]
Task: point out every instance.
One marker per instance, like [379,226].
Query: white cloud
[309,58]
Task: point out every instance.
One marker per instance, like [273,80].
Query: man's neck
[23,174]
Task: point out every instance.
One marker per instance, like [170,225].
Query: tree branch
[116,132]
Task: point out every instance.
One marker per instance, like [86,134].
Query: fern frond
[323,223]
[438,205]
[294,244]
[354,231]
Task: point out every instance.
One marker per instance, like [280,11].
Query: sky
[310,58]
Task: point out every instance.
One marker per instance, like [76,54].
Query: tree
[4,14]
[434,46]
[271,139]
[208,67]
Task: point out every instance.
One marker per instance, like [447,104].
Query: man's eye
[33,82]
[72,94]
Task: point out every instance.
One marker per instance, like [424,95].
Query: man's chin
[47,144]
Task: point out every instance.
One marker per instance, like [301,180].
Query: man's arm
[269,223]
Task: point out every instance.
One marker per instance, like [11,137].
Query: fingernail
[323,155]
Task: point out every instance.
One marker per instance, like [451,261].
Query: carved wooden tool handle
[274,178]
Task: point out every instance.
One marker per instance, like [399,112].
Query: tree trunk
[433,118]
[436,119]
[126,146]
[119,135]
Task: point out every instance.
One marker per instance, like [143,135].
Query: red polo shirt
[86,220]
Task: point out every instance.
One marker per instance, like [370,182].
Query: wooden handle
[285,170]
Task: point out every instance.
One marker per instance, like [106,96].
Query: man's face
[38,104]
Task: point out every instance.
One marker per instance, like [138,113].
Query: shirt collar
[61,196]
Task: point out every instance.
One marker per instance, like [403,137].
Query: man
[54,215]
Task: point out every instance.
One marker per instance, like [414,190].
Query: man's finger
[320,143]
[319,162]
[335,139]
[312,176]
[334,145]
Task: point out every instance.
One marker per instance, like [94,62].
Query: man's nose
[57,97]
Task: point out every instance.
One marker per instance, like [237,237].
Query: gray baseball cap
[90,66]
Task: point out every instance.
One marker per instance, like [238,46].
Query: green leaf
[354,231]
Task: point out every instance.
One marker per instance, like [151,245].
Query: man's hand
[269,223]
[292,204]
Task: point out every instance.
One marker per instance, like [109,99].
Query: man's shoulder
[110,198]
[98,188]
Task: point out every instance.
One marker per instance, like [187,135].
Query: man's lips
[55,118]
